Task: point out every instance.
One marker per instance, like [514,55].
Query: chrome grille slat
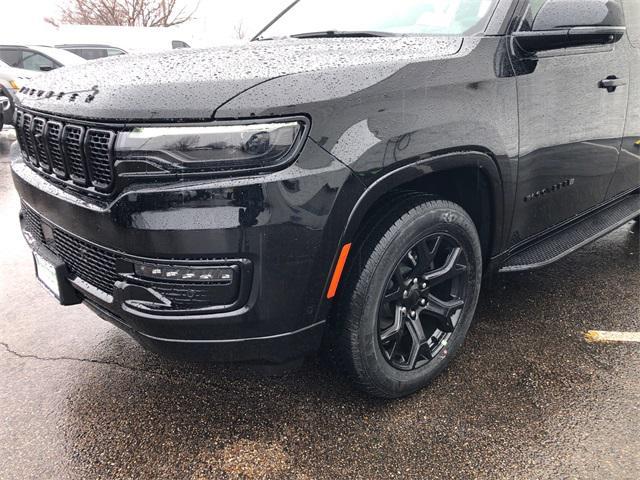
[38,131]
[27,128]
[99,147]
[72,140]
[19,122]
[80,156]
[53,140]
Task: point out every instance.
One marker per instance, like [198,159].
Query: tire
[383,310]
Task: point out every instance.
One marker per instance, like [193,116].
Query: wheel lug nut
[405,294]
[413,314]
[403,310]
[424,285]
[415,280]
[423,302]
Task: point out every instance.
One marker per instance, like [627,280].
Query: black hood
[192,84]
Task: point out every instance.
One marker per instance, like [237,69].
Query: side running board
[574,236]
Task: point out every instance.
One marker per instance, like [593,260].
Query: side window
[36,61]
[533,8]
[536,5]
[11,57]
[77,51]
[632,16]
[93,53]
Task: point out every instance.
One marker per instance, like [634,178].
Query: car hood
[16,74]
[192,84]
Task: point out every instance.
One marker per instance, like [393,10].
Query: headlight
[14,85]
[194,149]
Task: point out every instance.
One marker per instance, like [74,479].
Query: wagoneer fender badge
[553,188]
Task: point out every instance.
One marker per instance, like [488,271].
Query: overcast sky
[22,20]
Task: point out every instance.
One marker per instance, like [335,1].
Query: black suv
[350,175]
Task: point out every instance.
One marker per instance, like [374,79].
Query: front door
[570,130]
[627,176]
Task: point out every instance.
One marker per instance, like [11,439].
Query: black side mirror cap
[566,14]
[539,41]
[573,23]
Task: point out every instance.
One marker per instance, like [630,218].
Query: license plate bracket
[53,274]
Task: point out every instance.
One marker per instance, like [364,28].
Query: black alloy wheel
[409,295]
[423,302]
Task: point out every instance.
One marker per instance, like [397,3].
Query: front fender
[483,161]
[408,173]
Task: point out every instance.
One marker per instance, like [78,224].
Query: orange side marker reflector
[335,281]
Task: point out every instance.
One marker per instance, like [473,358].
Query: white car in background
[13,78]
[20,63]
[37,58]
[7,103]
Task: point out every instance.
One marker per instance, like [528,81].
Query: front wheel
[409,297]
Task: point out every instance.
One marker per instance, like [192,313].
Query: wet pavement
[526,398]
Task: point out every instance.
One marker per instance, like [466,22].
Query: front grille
[33,223]
[79,156]
[92,264]
[97,267]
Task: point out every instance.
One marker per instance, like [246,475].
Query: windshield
[401,17]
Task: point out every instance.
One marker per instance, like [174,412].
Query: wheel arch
[423,176]
[406,177]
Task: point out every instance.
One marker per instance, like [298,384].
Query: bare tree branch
[132,13]
[240,30]
[51,21]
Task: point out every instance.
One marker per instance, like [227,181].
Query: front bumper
[279,232]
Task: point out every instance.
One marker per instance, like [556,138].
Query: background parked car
[92,52]
[20,63]
[13,78]
[37,58]
[7,103]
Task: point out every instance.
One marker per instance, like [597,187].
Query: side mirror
[573,23]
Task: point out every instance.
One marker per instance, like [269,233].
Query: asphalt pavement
[527,398]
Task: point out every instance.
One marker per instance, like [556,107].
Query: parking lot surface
[528,397]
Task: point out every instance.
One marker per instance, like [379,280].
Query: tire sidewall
[444,220]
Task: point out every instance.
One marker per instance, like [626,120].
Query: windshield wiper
[343,34]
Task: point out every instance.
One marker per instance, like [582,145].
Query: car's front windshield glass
[400,17]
